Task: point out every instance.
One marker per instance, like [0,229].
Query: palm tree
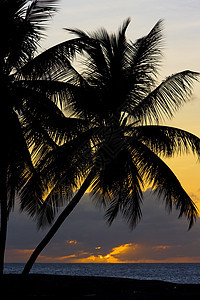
[115,92]
[29,102]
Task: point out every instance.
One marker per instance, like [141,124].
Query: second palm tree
[117,151]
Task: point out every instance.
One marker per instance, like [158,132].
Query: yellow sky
[181,51]
[187,167]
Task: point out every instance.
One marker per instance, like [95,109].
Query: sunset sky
[181,50]
[159,237]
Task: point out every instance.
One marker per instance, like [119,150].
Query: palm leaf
[24,21]
[39,11]
[146,51]
[117,186]
[142,60]
[55,63]
[59,174]
[166,141]
[164,182]
[166,99]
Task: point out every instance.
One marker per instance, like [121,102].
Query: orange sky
[118,254]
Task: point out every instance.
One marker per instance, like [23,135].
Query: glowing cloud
[71,242]
[162,247]
[113,257]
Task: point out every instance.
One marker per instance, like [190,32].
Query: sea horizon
[185,273]
[99,263]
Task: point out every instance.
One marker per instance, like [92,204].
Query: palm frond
[24,22]
[143,60]
[166,99]
[117,186]
[146,52]
[39,12]
[104,53]
[40,111]
[32,193]
[164,182]
[59,174]
[165,140]
[49,93]
[55,63]
[37,115]
[113,47]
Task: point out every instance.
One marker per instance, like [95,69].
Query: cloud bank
[85,237]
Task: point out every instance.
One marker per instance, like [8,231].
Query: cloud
[85,237]
[115,256]
[71,242]
[18,255]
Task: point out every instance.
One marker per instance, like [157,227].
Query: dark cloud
[158,237]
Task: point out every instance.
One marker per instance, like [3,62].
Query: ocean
[171,272]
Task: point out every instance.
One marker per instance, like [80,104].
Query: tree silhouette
[28,100]
[120,147]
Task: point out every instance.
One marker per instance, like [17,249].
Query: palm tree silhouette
[28,100]
[118,150]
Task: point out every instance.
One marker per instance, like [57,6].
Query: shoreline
[45,286]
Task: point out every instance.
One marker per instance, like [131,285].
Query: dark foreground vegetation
[38,286]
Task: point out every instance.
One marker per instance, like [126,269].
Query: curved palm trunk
[4,219]
[58,223]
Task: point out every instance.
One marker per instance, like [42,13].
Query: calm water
[178,273]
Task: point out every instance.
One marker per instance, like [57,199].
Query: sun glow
[113,257]
[126,253]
